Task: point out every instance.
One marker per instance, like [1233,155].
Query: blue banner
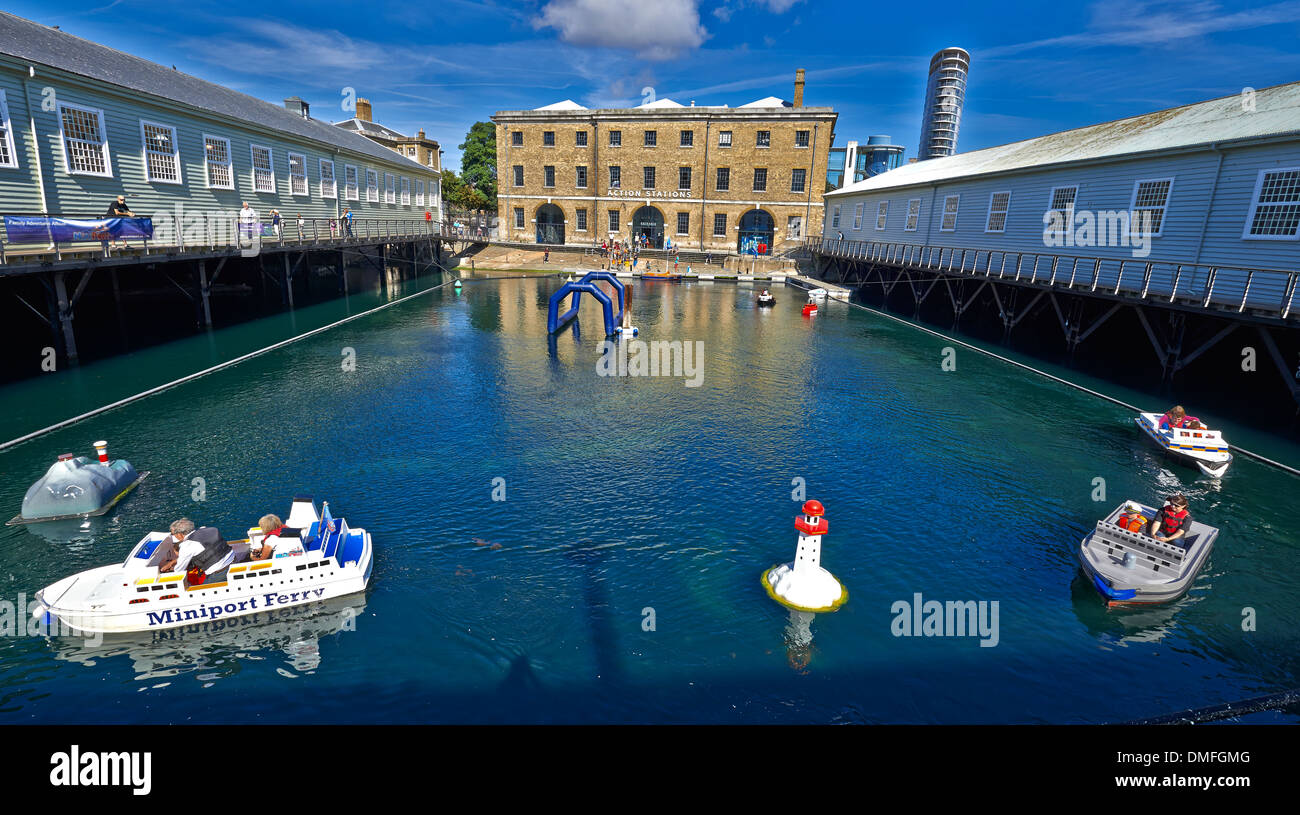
[40,229]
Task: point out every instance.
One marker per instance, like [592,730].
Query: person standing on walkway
[276,226]
[119,209]
[347,221]
[248,223]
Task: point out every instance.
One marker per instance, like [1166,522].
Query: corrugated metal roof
[43,45]
[1276,111]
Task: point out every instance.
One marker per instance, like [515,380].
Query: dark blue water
[631,498]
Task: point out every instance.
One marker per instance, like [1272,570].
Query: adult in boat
[277,539]
[200,553]
[1177,417]
[1172,521]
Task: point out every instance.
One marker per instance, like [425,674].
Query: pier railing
[201,232]
[1267,292]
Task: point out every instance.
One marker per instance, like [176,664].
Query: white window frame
[306,185]
[1254,206]
[372,186]
[520,215]
[103,141]
[351,190]
[406,191]
[956,208]
[270,172]
[857,216]
[1051,207]
[419,192]
[882,215]
[835,217]
[1164,208]
[208,164]
[175,154]
[8,140]
[1005,213]
[730,139]
[390,188]
[913,215]
[332,191]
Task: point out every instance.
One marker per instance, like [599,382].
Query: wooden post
[288,282]
[65,317]
[203,292]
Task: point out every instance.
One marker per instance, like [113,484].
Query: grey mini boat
[1134,568]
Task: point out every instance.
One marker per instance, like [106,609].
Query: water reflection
[1125,624]
[798,640]
[219,649]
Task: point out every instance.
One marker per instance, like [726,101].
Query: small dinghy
[660,276]
[810,308]
[1131,567]
[817,294]
[766,300]
[333,561]
[76,487]
[1202,447]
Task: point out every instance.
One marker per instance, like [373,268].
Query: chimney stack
[798,88]
[363,110]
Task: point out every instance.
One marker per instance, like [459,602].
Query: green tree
[478,164]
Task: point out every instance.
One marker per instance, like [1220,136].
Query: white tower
[803,584]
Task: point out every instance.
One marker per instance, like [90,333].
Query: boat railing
[1219,287]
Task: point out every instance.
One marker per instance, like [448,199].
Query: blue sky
[1035,67]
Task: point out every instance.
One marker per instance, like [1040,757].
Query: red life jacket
[1170,521]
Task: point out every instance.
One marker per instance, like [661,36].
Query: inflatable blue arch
[555,321]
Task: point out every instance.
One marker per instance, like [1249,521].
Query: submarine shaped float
[76,487]
[333,561]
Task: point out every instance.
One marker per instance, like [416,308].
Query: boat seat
[351,550]
[311,537]
[1140,544]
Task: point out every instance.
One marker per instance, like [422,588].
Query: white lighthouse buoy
[803,584]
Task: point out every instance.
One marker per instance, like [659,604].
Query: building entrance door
[757,230]
[550,224]
[649,222]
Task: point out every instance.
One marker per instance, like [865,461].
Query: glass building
[944,95]
[854,162]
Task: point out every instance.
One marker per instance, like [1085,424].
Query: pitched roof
[1269,112]
[661,103]
[373,128]
[769,102]
[567,104]
[41,44]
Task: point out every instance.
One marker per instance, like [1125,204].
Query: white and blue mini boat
[335,561]
[1204,448]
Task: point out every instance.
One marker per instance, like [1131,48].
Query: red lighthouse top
[813,507]
[811,522]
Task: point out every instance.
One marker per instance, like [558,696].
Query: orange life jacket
[1133,522]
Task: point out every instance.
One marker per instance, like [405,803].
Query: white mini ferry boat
[334,561]
[1206,449]
[817,294]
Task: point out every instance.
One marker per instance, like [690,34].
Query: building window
[719,225]
[798,177]
[162,158]
[801,138]
[328,188]
[548,176]
[651,138]
[297,174]
[913,215]
[999,204]
[764,139]
[683,223]
[688,138]
[548,138]
[517,138]
[613,220]
[724,179]
[519,175]
[1060,212]
[519,217]
[419,192]
[950,204]
[8,154]
[216,157]
[1275,210]
[683,178]
[794,227]
[1147,210]
[372,186]
[85,145]
[649,180]
[760,179]
[406,192]
[882,214]
[580,138]
[580,178]
[724,138]
[835,217]
[390,188]
[857,216]
[582,219]
[263,174]
[615,176]
[616,138]
[350,182]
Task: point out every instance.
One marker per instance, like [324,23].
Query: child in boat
[1177,417]
[1132,518]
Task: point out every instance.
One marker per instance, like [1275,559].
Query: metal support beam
[288,282]
[205,289]
[1207,345]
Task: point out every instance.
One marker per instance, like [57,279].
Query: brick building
[418,148]
[712,178]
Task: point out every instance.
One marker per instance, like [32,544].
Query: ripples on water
[630,497]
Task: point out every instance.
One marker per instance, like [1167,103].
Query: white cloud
[659,30]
